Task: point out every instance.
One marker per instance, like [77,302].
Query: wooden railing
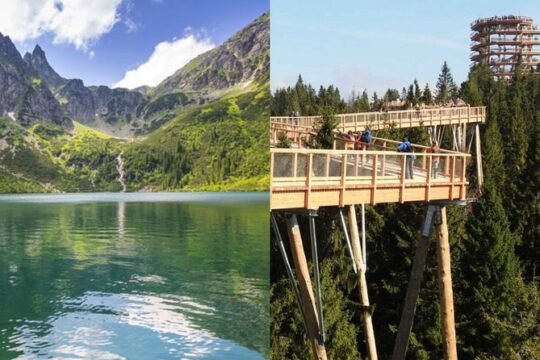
[388,119]
[310,179]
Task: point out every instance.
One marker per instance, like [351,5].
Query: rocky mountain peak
[38,61]
[9,54]
[242,59]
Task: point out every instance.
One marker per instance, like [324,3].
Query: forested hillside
[494,240]
[204,128]
[218,146]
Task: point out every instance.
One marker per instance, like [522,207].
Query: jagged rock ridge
[87,104]
[31,90]
[242,59]
[23,94]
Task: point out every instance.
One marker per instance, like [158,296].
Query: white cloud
[168,56]
[91,54]
[75,22]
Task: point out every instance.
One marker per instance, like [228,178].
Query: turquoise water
[134,276]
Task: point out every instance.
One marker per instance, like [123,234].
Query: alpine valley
[203,128]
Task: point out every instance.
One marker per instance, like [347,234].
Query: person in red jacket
[435,159]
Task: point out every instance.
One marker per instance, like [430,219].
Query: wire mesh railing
[389,119]
[311,170]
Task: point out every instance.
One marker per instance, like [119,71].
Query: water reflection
[121,216]
[126,279]
[158,327]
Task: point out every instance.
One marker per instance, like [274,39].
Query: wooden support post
[364,250]
[295,165]
[402,180]
[364,299]
[452,176]
[374,180]
[428,176]
[342,180]
[462,178]
[448,329]
[464,140]
[413,288]
[309,166]
[305,288]
[479,170]
[327,172]
[383,163]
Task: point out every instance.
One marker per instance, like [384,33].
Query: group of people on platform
[406,147]
[361,141]
[357,141]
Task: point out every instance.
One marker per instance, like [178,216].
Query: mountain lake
[134,276]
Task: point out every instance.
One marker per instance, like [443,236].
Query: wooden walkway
[299,128]
[310,179]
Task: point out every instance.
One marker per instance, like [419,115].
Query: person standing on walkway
[365,138]
[434,149]
[406,147]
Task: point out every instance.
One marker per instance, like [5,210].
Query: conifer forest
[493,239]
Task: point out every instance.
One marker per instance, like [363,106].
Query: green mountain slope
[45,157]
[203,135]
[218,146]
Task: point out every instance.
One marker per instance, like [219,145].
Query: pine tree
[391,95]
[494,308]
[325,130]
[359,103]
[283,141]
[492,152]
[376,104]
[427,97]
[410,96]
[446,87]
[364,101]
[518,127]
[417,93]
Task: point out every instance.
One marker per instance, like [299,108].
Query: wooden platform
[381,120]
[310,179]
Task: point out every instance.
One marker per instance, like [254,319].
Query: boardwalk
[385,120]
[310,179]
[313,178]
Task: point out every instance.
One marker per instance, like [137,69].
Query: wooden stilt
[464,140]
[413,289]
[306,290]
[479,170]
[448,329]
[357,253]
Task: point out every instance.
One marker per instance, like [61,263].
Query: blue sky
[377,44]
[100,40]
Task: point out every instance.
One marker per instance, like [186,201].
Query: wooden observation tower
[304,180]
[503,42]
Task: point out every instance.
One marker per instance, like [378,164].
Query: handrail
[480,109]
[310,178]
[424,147]
[363,152]
[399,118]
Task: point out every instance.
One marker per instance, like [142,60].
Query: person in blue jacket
[406,146]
